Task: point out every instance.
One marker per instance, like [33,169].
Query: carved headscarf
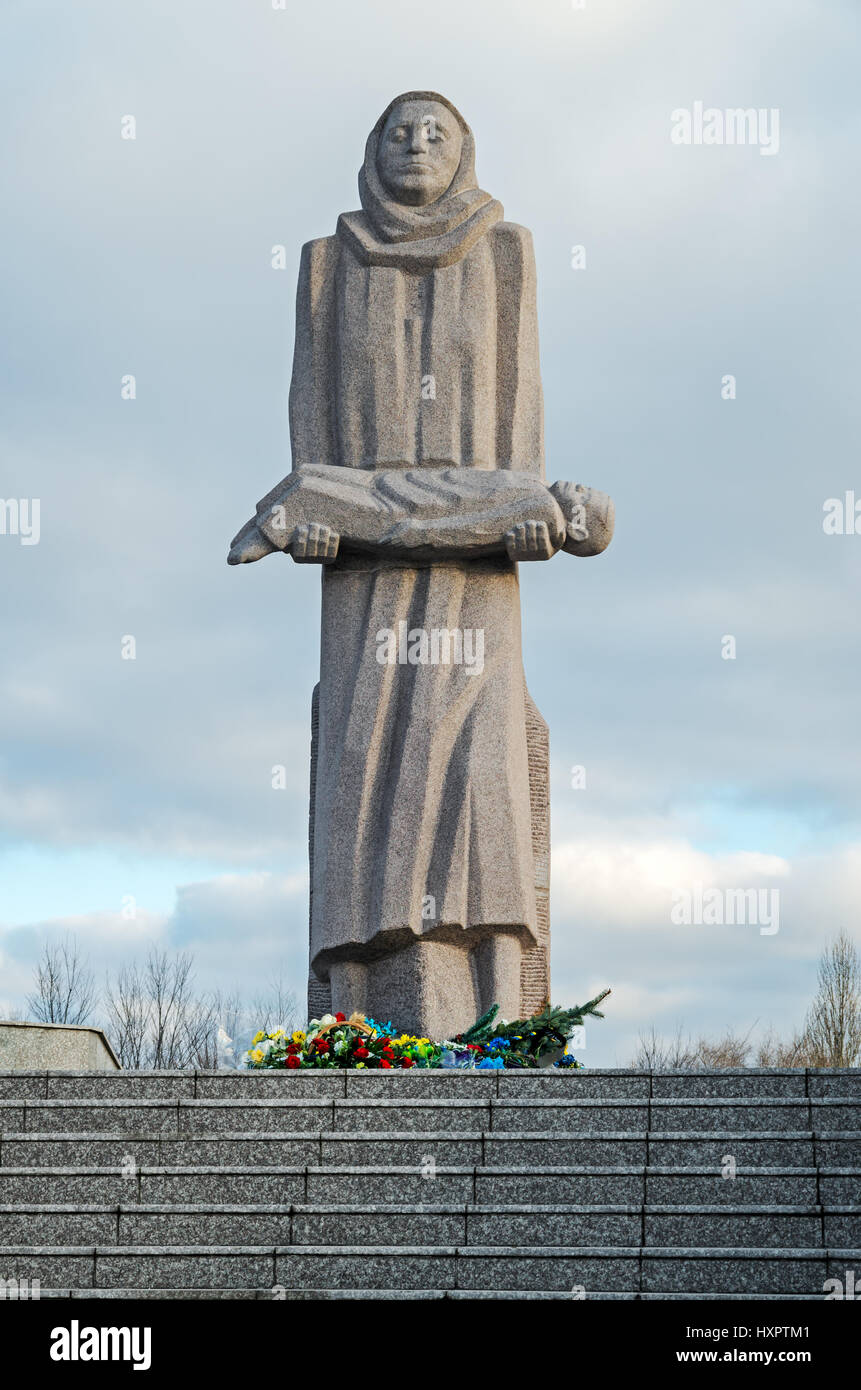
[390,233]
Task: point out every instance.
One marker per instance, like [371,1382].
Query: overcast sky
[151,779]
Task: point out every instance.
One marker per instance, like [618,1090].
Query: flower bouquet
[360,1043]
[337,1041]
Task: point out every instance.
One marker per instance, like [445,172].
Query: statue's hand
[313,544]
[530,540]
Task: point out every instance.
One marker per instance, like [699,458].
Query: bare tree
[731,1050]
[831,1036]
[276,1007]
[832,1030]
[127,1022]
[774,1051]
[65,989]
[656,1053]
[680,1053]
[155,1018]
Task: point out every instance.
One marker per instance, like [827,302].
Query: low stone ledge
[54,1047]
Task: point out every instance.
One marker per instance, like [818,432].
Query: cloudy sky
[149,780]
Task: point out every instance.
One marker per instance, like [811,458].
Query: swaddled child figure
[319,512]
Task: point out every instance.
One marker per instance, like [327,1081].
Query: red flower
[293,1061]
[361,1053]
[386,1064]
[407,1062]
[322,1045]
[340,1018]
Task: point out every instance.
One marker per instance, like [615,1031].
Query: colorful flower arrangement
[361,1043]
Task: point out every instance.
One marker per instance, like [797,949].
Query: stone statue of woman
[418,483]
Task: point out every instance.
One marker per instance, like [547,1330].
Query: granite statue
[418,484]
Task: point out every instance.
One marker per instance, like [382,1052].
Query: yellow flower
[298,1037]
[257,1055]
[360,1066]
[257,1036]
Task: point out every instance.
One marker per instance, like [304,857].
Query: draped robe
[420,806]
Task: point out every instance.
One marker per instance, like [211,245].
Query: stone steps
[567,1269]
[336,1224]
[378,1116]
[537,1150]
[604,1084]
[410,1295]
[482,1186]
[439,1185]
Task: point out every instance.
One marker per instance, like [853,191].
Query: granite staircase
[594,1184]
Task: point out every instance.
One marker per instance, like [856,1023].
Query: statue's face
[419,151]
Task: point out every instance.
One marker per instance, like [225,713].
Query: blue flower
[490,1064]
[568,1061]
[385,1030]
[501,1043]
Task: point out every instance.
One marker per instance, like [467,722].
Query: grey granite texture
[404,1224]
[569,1116]
[83,1186]
[834,1081]
[421,1085]
[369,1116]
[732,1083]
[204,1224]
[486,1184]
[254,1150]
[843,1226]
[57,1225]
[559,1186]
[611,1269]
[261,1184]
[752,1113]
[61,1046]
[445,1186]
[51,1265]
[784,1227]
[23,1085]
[274,1085]
[84,1150]
[572,1085]
[163,1086]
[416,1149]
[370,1267]
[91,1116]
[711,1188]
[838,1150]
[551,1226]
[283,1116]
[748,1150]
[723,1270]
[537,1150]
[416,423]
[190,1267]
